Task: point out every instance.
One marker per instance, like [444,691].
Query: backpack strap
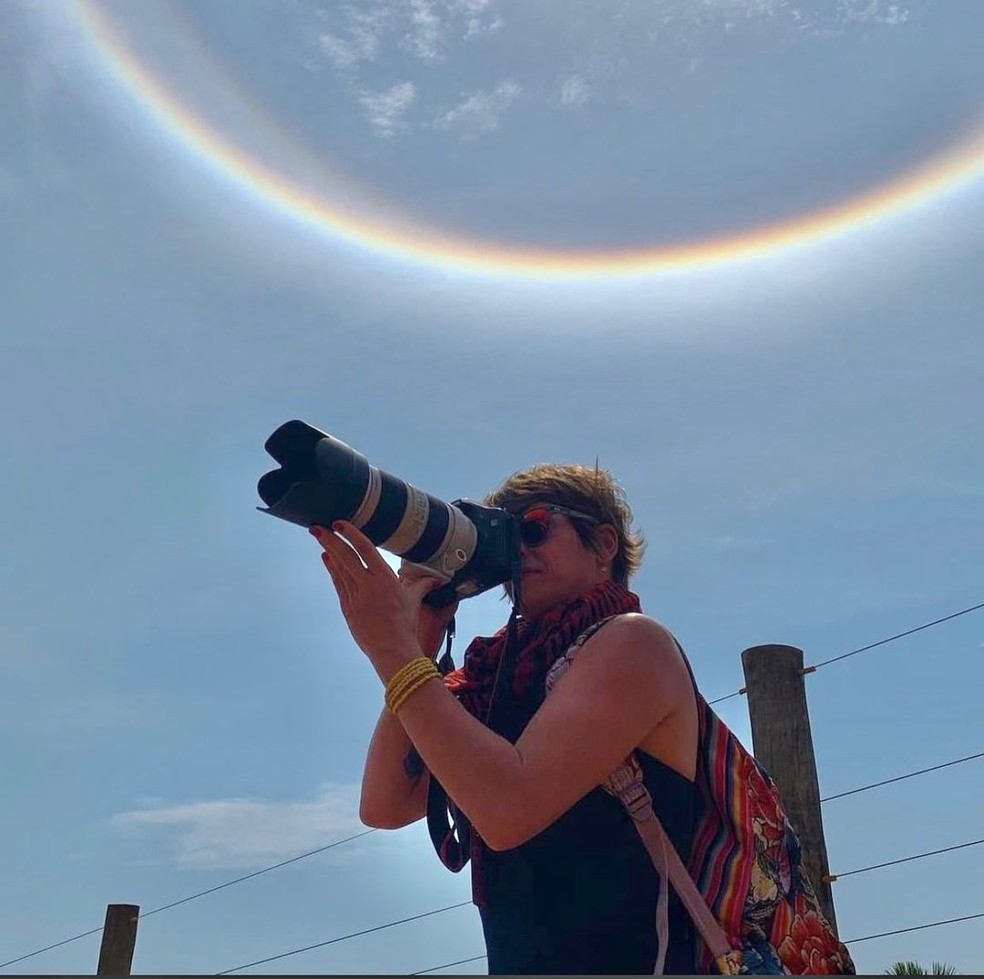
[627,785]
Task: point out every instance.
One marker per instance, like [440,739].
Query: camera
[321,480]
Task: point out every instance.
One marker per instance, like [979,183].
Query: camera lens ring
[370,501]
[413,524]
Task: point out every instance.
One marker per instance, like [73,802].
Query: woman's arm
[627,680]
[390,799]
[624,682]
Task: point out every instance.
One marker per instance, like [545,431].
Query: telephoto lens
[321,480]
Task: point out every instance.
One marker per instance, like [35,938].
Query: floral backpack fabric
[747,864]
[746,861]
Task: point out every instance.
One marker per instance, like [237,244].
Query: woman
[561,878]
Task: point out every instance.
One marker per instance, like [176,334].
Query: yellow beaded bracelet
[408,683]
[408,679]
[407,675]
[398,702]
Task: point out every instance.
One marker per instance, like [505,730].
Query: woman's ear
[607,538]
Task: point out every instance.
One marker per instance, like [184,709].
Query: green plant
[915,969]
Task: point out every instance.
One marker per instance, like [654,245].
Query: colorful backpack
[755,909]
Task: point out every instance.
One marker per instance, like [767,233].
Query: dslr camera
[321,479]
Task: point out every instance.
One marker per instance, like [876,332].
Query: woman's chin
[535,603]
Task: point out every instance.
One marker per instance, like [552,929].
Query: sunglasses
[534,525]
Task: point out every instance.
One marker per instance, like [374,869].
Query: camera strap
[446,664]
[449,828]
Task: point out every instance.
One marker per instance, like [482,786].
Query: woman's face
[562,568]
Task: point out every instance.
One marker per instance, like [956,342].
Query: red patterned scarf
[541,642]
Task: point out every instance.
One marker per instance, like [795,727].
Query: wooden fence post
[783,745]
[118,940]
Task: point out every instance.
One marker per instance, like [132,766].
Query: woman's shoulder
[630,641]
[640,627]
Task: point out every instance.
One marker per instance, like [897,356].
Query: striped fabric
[746,858]
[746,861]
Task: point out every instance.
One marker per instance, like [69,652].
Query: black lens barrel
[438,518]
[389,511]
[321,480]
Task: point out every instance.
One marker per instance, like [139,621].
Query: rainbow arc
[371,228]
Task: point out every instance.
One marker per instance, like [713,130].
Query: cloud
[620,57]
[346,53]
[364,30]
[434,24]
[245,834]
[480,112]
[425,38]
[874,12]
[469,8]
[476,27]
[424,28]
[574,91]
[385,109]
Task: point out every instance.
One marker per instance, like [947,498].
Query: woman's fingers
[382,612]
[408,573]
[341,582]
[419,588]
[336,562]
[362,546]
[338,549]
[339,573]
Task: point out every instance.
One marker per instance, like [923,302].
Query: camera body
[496,557]
[321,479]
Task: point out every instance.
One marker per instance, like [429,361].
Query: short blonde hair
[584,488]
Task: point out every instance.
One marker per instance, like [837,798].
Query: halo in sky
[343,212]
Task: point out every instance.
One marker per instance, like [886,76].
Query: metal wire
[908,632]
[447,965]
[892,863]
[185,900]
[862,649]
[902,931]
[850,941]
[899,778]
[342,938]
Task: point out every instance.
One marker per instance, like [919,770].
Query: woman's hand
[383,614]
[433,622]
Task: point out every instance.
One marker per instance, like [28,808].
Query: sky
[731,248]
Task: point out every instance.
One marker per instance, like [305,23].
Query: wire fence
[193,897]
[425,914]
[850,941]
[891,863]
[900,778]
[343,938]
[869,646]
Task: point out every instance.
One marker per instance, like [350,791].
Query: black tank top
[580,897]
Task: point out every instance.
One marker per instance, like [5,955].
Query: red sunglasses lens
[534,527]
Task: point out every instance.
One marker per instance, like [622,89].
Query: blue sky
[798,428]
